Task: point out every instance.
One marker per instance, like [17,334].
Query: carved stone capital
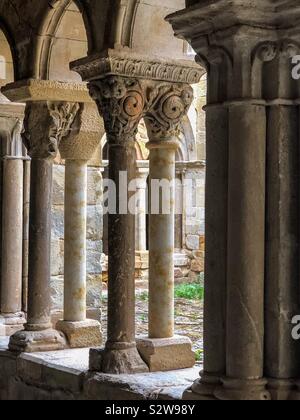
[121,103]
[85,137]
[168,104]
[45,125]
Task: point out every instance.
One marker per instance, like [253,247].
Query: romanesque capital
[11,126]
[128,86]
[168,103]
[54,111]
[45,125]
[84,138]
[121,103]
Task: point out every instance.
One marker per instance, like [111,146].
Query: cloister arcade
[93,89]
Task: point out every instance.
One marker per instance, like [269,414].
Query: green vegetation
[144,297]
[199,355]
[192,291]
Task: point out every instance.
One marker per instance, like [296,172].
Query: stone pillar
[250,74]
[121,83]
[245,254]
[140,231]
[121,104]
[11,315]
[141,252]
[282,364]
[162,350]
[77,149]
[47,121]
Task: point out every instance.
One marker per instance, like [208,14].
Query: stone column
[121,103]
[256,85]
[141,253]
[11,315]
[140,231]
[47,122]
[245,254]
[77,149]
[121,83]
[162,350]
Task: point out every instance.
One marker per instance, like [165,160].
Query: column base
[243,390]
[81,334]
[294,394]
[37,341]
[11,323]
[203,388]
[122,361]
[281,389]
[165,354]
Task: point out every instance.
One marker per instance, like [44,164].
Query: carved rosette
[168,104]
[121,103]
[45,125]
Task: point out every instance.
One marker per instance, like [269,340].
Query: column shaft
[161,244]
[26,209]
[246,253]
[75,240]
[140,236]
[121,254]
[215,250]
[282,254]
[39,302]
[12,245]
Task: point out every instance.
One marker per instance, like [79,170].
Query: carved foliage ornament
[45,125]
[168,104]
[121,103]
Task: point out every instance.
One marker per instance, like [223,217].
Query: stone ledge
[62,375]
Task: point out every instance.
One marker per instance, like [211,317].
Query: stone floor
[36,376]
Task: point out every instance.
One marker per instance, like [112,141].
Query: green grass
[199,355]
[144,297]
[192,291]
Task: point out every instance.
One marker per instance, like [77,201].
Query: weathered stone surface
[117,361]
[58,185]
[192,242]
[166,354]
[94,255]
[37,341]
[81,334]
[94,222]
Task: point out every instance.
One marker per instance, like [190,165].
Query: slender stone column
[121,103]
[77,149]
[246,253]
[216,203]
[26,209]
[140,235]
[11,315]
[162,350]
[282,361]
[51,109]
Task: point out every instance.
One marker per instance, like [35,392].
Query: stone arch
[68,43]
[7,57]
[48,29]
